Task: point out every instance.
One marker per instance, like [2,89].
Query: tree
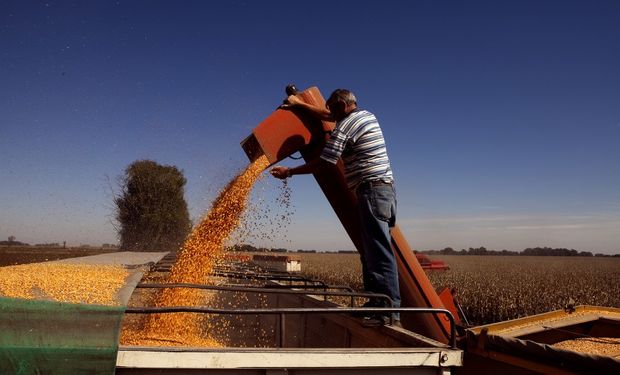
[151,211]
[448,251]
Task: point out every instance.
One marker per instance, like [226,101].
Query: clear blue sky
[502,118]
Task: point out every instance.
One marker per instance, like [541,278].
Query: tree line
[253,249]
[530,251]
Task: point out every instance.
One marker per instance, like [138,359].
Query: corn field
[497,288]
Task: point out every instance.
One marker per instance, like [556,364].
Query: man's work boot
[362,314]
[380,320]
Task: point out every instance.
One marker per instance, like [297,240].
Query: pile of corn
[551,321]
[605,346]
[74,283]
[201,251]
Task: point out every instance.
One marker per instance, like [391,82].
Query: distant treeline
[253,249]
[13,243]
[535,251]
[53,245]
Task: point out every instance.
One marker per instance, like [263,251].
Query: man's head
[340,103]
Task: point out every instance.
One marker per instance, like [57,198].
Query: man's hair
[343,95]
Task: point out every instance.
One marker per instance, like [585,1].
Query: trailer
[275,322]
[287,325]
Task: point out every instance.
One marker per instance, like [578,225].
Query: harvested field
[497,288]
[333,268]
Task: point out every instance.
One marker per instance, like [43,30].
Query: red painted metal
[431,265]
[285,132]
[447,298]
[417,291]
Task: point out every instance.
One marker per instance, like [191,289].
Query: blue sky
[502,118]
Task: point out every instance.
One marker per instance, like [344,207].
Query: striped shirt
[359,141]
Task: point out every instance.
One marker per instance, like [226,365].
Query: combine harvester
[287,324]
[429,264]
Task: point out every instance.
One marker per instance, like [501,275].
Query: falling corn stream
[203,248]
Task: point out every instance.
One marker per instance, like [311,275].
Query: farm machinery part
[288,131]
[430,264]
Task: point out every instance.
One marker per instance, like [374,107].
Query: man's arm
[321,113]
[312,166]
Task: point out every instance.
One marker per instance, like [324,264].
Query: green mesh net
[44,337]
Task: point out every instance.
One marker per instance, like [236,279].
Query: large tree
[150,210]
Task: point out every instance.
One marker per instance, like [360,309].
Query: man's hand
[280,172]
[291,102]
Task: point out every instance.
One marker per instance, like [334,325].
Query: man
[358,139]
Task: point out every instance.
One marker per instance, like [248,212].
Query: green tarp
[45,337]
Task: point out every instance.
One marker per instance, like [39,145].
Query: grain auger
[286,132]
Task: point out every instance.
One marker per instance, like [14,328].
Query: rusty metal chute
[285,132]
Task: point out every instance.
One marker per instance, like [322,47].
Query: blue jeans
[377,207]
